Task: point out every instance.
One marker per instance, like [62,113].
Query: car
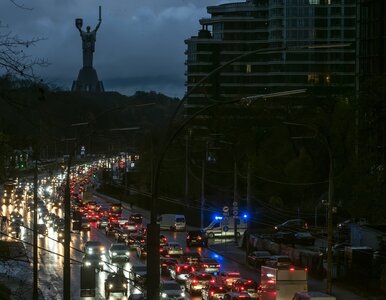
[111,228]
[166,263]
[16,217]
[131,226]
[191,258]
[258,258]
[304,238]
[170,289]
[14,229]
[283,237]
[279,261]
[121,235]
[85,224]
[229,277]
[214,291]
[292,225]
[135,240]
[94,247]
[42,229]
[116,283]
[119,251]
[142,251]
[137,275]
[246,285]
[173,248]
[180,272]
[196,238]
[162,240]
[102,222]
[43,212]
[196,281]
[237,296]
[60,235]
[136,218]
[209,265]
[93,260]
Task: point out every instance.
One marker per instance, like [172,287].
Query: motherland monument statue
[87,80]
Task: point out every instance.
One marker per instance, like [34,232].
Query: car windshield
[171,286]
[118,247]
[139,269]
[180,220]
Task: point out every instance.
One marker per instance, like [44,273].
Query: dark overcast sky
[140,43]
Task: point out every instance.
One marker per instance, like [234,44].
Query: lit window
[313,78]
[249,68]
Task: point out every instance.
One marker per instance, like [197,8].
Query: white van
[312,296]
[224,227]
[172,222]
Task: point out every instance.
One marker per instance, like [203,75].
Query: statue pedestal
[87,81]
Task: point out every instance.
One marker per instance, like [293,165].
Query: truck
[282,283]
[225,227]
[172,222]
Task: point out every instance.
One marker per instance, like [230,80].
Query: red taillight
[185,267]
[217,266]
[178,269]
[204,266]
[242,288]
[194,281]
[164,265]
[292,269]
[211,293]
[212,281]
[199,238]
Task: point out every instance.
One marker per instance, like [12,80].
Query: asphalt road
[51,261]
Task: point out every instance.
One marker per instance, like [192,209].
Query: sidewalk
[233,252]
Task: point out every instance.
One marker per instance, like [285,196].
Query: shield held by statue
[79,22]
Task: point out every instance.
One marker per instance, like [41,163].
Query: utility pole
[202,192]
[248,210]
[330,231]
[67,236]
[235,201]
[187,169]
[35,231]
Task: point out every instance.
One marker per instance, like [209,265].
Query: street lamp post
[329,202]
[153,260]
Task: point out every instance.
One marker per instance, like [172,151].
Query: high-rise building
[234,29]
[372,35]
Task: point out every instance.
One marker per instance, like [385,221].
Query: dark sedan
[258,258]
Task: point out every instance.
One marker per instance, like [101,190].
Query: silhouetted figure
[88,42]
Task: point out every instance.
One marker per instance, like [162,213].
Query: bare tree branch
[19,5]
[14,60]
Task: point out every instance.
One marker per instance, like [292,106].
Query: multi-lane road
[51,259]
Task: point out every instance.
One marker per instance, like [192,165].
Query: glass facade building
[235,29]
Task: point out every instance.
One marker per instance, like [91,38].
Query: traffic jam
[113,249]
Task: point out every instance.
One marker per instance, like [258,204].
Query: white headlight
[87,264]
[164,295]
[182,294]
[114,253]
[111,286]
[124,285]
[127,253]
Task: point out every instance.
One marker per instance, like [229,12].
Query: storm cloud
[140,44]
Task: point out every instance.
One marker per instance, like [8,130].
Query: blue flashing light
[245,216]
[218,218]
